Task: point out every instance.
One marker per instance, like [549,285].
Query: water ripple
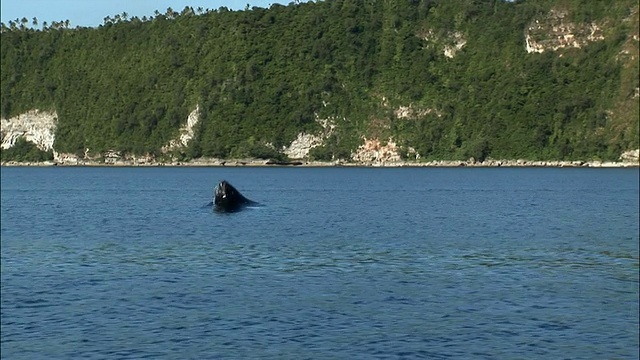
[125,263]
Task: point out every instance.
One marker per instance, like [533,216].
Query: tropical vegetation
[262,76]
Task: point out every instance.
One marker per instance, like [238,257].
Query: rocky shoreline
[390,164]
[38,127]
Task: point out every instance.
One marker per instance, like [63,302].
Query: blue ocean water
[337,263]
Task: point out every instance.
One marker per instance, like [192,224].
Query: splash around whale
[227,198]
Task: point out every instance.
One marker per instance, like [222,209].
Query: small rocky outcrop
[372,151]
[450,43]
[631,156]
[410,112]
[300,147]
[554,31]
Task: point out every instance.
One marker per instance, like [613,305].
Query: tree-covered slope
[451,79]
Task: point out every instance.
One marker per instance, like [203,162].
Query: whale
[227,198]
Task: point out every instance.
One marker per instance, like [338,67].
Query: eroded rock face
[300,147]
[186,132]
[456,43]
[631,156]
[554,31]
[451,42]
[372,151]
[35,126]
[66,158]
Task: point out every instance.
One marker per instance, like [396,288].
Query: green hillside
[262,76]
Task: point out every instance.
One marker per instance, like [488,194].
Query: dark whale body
[227,199]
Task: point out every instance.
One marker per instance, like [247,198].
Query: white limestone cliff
[300,147]
[35,126]
[186,132]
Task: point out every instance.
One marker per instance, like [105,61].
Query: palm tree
[187,11]
[67,23]
[125,16]
[44,25]
[170,13]
[35,22]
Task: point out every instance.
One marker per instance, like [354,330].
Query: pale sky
[93,12]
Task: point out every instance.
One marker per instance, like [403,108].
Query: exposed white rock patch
[624,54]
[404,112]
[452,42]
[631,156]
[186,132]
[410,112]
[459,42]
[65,158]
[35,126]
[300,147]
[412,153]
[372,151]
[554,32]
[428,35]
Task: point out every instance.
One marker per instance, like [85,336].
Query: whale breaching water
[227,199]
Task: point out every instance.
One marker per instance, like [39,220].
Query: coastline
[301,163]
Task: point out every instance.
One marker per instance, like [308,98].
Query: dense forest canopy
[459,69]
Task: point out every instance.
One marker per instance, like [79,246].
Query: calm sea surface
[338,263]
